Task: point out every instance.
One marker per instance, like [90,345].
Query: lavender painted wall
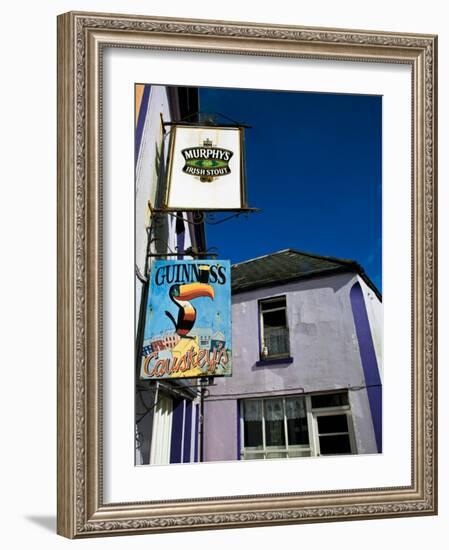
[325,352]
[220,427]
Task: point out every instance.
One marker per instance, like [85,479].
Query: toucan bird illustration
[181,296]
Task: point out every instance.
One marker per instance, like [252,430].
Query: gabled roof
[290,265]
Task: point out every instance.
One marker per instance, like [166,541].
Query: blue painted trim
[141,120]
[180,241]
[239,435]
[197,427]
[176,433]
[369,361]
[187,432]
[259,332]
[268,362]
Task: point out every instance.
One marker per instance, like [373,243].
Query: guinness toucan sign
[205,168]
[188,320]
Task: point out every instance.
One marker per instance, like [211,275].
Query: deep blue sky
[314,170]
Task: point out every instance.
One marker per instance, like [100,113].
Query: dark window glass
[275,318]
[332,424]
[274,433]
[335,444]
[252,425]
[253,433]
[297,431]
[329,400]
[275,330]
[274,423]
[295,412]
[273,304]
[275,333]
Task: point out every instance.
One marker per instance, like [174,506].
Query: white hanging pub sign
[206,168]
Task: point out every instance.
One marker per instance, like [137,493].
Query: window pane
[252,409]
[329,400]
[332,424]
[275,318]
[273,304]
[253,434]
[276,340]
[274,409]
[274,423]
[252,423]
[275,433]
[275,332]
[335,444]
[297,429]
[295,407]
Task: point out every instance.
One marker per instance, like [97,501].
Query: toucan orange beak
[195,290]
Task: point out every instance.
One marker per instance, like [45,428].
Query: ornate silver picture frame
[82,41]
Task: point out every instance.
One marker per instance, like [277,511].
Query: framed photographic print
[246,276]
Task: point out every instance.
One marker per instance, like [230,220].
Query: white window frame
[271,449]
[312,427]
[350,432]
[261,324]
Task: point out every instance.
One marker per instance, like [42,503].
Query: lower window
[296,426]
[333,434]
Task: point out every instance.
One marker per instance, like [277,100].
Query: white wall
[147,181]
[28,274]
[146,174]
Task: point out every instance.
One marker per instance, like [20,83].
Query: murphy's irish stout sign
[188,320]
[206,161]
[205,168]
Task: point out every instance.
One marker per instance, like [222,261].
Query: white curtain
[274,409]
[252,410]
[295,407]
